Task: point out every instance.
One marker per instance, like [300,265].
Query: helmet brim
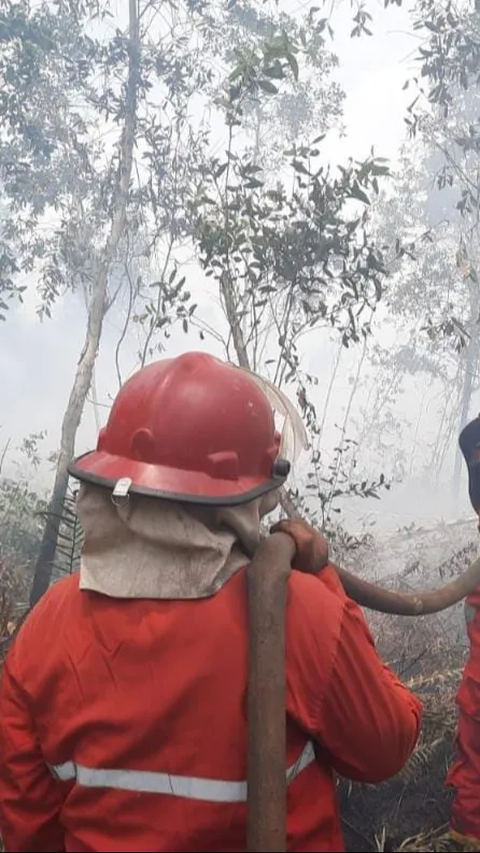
[159,481]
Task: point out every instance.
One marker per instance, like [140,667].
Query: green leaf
[357,192]
[275,71]
[299,167]
[162,321]
[236,73]
[293,64]
[267,86]
[221,169]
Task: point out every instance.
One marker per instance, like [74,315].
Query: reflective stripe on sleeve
[150,782]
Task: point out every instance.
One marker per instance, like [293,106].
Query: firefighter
[123,698]
[464,775]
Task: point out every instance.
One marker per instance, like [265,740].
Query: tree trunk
[96,310]
[470,370]
[470,366]
[231,310]
[331,384]
[230,303]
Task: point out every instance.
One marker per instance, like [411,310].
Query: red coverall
[123,722]
[464,776]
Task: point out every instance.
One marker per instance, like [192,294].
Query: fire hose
[268,575]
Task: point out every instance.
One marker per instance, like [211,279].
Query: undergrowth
[411,811]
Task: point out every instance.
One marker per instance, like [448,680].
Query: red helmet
[189,428]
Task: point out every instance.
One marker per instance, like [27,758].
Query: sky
[37,359]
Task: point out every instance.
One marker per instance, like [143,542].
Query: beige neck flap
[143,547]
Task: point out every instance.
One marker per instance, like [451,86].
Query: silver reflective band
[148,782]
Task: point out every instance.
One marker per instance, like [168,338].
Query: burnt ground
[401,814]
[411,811]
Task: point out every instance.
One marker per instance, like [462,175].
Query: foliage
[307,100]
[290,252]
[444,114]
[98,198]
[20,512]
[20,505]
[431,217]
[449,60]
[62,97]
[296,250]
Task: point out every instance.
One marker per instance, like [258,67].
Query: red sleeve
[30,798]
[364,719]
[370,721]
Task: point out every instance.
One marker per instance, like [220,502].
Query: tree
[96,310]
[110,209]
[53,167]
[291,254]
[308,103]
[434,295]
